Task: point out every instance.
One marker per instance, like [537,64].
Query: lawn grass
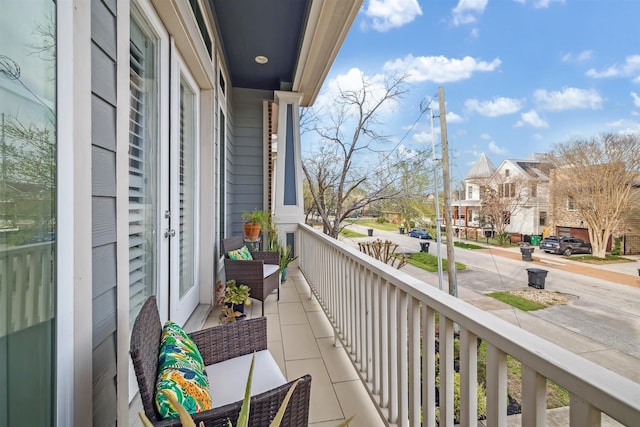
[517,301]
[608,259]
[465,245]
[372,223]
[429,262]
[345,232]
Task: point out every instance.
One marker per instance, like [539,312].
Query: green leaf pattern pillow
[242,254]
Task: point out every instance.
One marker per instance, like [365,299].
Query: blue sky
[518,75]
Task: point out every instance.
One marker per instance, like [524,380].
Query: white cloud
[494,108]
[569,98]
[485,136]
[625,126]
[539,4]
[494,148]
[453,118]
[630,68]
[353,81]
[532,119]
[636,99]
[467,11]
[387,14]
[439,69]
[583,56]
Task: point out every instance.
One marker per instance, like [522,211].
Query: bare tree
[501,199]
[596,177]
[341,177]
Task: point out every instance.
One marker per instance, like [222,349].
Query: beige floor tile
[355,401]
[320,324]
[298,342]
[324,405]
[288,293]
[332,423]
[337,361]
[292,313]
[310,304]
[271,305]
[273,327]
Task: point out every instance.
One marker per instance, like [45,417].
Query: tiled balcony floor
[301,339]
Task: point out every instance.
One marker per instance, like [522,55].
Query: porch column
[288,203]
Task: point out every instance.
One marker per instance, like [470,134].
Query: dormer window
[506,172]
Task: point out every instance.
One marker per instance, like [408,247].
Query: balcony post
[288,203]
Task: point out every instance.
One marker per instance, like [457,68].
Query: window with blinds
[187,188]
[142,170]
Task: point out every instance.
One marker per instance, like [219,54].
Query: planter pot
[236,307]
[283,275]
[251,231]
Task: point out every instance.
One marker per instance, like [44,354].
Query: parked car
[565,245]
[420,233]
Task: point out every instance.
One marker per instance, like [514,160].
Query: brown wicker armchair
[216,344]
[255,273]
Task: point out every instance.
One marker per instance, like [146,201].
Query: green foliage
[236,294]
[617,246]
[286,256]
[345,232]
[380,220]
[503,239]
[465,245]
[481,394]
[429,262]
[521,303]
[256,217]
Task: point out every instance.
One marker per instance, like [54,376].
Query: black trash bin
[527,252]
[401,229]
[536,277]
[424,246]
[370,231]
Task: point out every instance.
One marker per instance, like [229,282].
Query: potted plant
[253,222]
[286,258]
[235,298]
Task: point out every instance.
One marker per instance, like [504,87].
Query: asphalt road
[601,310]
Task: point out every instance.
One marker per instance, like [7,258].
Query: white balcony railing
[26,286]
[386,320]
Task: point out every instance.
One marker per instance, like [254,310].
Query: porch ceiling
[300,38]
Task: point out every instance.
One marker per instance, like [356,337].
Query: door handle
[169,232]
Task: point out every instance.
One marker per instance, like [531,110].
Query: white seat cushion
[228,379]
[269,269]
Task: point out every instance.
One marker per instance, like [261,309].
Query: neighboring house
[526,181]
[163,115]
[566,220]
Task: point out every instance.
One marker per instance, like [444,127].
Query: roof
[483,168]
[300,38]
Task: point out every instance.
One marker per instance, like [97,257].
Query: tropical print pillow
[242,254]
[189,387]
[177,349]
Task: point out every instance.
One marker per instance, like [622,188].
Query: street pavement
[601,322]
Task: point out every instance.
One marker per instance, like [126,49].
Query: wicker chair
[252,273]
[216,344]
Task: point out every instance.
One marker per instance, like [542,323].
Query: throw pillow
[188,387]
[177,349]
[242,254]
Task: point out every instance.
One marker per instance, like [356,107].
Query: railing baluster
[468,377]
[403,369]
[375,336]
[445,350]
[384,344]
[368,290]
[393,354]
[428,365]
[496,387]
[414,362]
[534,399]
[582,414]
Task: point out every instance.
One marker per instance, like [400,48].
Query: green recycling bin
[535,240]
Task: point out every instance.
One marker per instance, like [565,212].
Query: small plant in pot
[235,298]
[253,222]
[286,258]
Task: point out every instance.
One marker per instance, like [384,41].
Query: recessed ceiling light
[261,59]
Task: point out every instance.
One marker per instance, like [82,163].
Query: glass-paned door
[183,287]
[28,149]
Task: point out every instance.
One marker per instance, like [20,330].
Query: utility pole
[451,260]
[437,197]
